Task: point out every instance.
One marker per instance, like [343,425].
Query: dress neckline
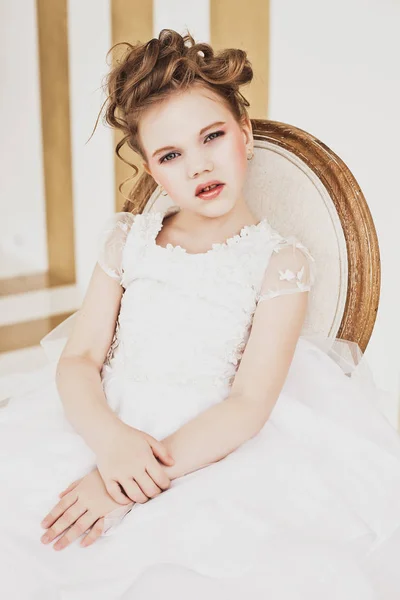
[232,240]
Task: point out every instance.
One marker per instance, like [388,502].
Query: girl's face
[190,139]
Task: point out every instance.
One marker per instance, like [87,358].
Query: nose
[198,164]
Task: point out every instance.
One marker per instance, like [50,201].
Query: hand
[129,461]
[84,504]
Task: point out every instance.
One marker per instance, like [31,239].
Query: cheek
[239,156]
[163,176]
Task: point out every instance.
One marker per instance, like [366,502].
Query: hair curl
[148,73]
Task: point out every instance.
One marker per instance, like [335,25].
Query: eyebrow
[217,123]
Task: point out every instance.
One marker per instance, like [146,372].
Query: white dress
[308,509]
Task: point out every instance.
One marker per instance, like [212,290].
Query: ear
[247,132]
[147,169]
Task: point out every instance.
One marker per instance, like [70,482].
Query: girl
[235,456]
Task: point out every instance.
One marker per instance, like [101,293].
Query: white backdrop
[23,246]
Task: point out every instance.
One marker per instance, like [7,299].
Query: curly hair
[148,73]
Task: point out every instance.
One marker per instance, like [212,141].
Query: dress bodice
[184,318]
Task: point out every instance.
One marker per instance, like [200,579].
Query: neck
[214,227]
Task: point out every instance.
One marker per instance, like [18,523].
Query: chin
[217,207]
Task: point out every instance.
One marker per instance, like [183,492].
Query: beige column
[237,24]
[131,21]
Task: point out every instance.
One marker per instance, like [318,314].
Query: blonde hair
[148,73]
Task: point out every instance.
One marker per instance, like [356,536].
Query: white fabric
[112,243]
[290,270]
[309,508]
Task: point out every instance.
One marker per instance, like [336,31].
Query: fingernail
[45,539]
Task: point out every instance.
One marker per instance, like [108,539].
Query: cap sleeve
[291,269]
[111,243]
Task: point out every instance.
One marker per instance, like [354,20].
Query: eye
[166,159]
[163,159]
[217,133]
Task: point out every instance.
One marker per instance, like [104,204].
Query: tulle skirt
[309,508]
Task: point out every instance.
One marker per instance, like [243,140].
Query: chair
[304,189]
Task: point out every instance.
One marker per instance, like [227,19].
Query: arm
[78,375]
[277,325]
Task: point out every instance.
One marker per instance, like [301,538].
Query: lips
[201,186]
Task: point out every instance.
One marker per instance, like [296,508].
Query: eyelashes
[216,133]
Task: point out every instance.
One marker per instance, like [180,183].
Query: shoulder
[119,223]
[286,246]
[290,267]
[112,240]
[116,228]
[124,229]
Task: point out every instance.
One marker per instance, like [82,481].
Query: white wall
[93,162]
[335,73]
[182,15]
[23,242]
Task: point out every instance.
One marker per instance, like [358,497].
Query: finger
[69,488]
[58,510]
[161,452]
[133,491]
[147,485]
[65,521]
[158,475]
[115,491]
[94,533]
[84,523]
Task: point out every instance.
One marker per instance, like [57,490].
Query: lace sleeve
[112,242]
[291,269]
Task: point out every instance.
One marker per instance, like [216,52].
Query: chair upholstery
[304,189]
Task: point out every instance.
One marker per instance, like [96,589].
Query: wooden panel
[55,111]
[28,283]
[131,21]
[28,333]
[246,26]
